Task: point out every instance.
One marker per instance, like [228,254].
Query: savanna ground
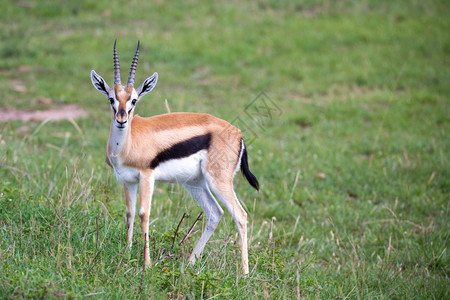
[352,157]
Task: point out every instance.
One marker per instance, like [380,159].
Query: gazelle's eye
[134,101]
[111,100]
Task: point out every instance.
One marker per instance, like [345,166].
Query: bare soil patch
[65,112]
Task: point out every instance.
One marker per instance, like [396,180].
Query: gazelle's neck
[117,138]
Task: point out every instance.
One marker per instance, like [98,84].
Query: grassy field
[352,151]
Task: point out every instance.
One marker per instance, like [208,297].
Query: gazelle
[200,151]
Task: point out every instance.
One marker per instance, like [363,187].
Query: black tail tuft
[246,171]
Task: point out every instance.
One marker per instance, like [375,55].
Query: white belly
[181,170]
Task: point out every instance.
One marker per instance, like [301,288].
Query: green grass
[362,89]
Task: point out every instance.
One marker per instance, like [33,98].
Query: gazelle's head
[123,99]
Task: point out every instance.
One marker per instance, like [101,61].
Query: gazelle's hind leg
[201,193]
[225,192]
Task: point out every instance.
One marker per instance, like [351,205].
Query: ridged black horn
[116,65]
[133,67]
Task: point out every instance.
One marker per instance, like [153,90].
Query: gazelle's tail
[246,171]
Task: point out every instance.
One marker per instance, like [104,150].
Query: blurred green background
[353,163]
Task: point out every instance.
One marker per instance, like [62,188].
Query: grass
[353,162]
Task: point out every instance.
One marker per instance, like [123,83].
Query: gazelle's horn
[116,65]
[133,67]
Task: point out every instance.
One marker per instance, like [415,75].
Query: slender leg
[201,193]
[224,191]
[146,183]
[130,196]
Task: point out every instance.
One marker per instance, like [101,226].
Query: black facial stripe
[133,104]
[182,149]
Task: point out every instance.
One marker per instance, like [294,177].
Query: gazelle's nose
[121,117]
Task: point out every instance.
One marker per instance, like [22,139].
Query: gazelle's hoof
[192,260]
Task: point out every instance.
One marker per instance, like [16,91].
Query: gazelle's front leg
[146,182]
[130,196]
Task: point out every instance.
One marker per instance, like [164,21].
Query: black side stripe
[182,149]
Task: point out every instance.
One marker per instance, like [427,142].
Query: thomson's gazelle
[197,150]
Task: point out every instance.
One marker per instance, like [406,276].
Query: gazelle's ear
[147,85]
[99,83]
